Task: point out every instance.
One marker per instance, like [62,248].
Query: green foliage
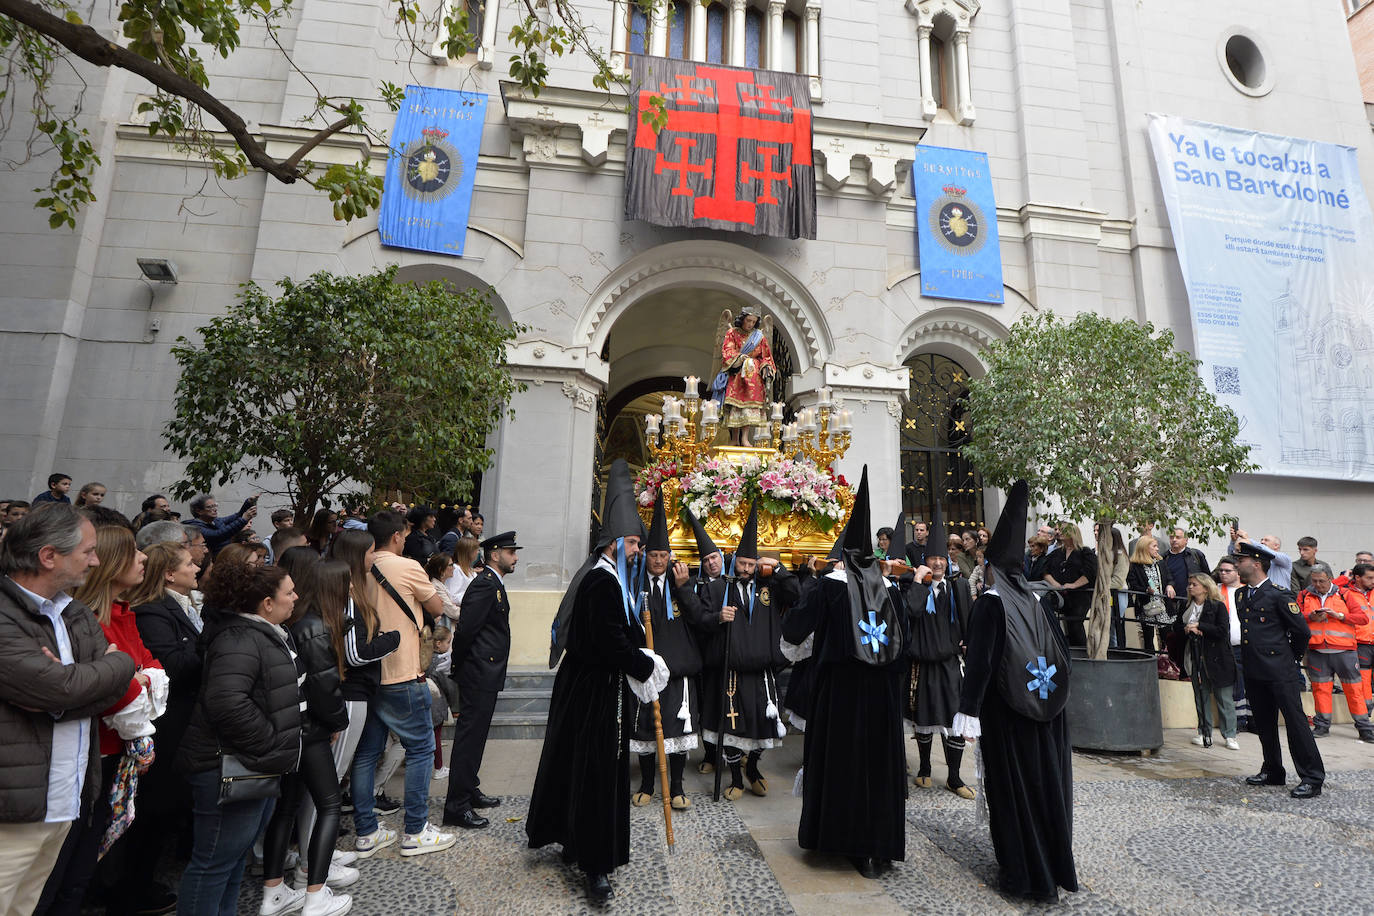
[1107,420]
[339,381]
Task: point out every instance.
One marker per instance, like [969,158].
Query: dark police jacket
[482,641]
[1273,633]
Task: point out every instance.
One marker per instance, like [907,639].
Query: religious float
[803,504]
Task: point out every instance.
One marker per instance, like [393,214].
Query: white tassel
[797,783]
[771,710]
[685,713]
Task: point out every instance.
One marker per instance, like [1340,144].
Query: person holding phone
[219,531]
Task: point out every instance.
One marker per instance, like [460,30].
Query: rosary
[730,695]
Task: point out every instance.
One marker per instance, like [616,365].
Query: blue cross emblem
[1042,678]
[874,634]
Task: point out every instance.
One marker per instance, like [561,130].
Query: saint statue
[747,370]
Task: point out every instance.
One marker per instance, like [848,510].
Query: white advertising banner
[1276,242]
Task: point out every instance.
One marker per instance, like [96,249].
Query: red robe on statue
[746,392]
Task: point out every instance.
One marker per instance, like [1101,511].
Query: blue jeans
[223,836]
[404,710]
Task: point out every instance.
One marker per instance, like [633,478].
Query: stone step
[530,679]
[523,700]
[517,725]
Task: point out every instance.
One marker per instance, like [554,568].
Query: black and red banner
[735,152]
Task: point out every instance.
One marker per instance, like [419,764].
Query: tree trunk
[1100,616]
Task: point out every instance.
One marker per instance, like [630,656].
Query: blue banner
[956,225]
[1274,237]
[430,172]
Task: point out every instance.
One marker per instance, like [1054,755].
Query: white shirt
[1230,592]
[457,585]
[71,743]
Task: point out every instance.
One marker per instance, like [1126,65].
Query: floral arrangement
[784,486]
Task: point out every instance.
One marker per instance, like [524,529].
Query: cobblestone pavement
[1175,833]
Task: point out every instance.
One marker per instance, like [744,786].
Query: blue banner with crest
[956,225]
[430,172]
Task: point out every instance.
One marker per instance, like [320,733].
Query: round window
[1242,60]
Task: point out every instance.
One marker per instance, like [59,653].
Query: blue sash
[723,377]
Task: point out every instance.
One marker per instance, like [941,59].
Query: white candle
[690,385]
[777,411]
[822,397]
[669,407]
[651,423]
[846,421]
[789,432]
[806,422]
[710,412]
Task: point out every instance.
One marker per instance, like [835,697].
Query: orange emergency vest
[1331,633]
[1356,599]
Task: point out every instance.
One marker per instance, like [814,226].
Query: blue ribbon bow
[873,633]
[1042,678]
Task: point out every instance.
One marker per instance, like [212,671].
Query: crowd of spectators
[182,697]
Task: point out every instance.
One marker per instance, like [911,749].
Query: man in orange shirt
[1331,652]
[1358,591]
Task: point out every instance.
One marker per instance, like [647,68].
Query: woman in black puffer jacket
[314,788]
[250,706]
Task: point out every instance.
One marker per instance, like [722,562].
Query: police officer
[481,648]
[1273,636]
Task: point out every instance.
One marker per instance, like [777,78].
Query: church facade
[1055,92]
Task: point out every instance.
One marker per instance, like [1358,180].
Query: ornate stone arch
[957,332]
[717,265]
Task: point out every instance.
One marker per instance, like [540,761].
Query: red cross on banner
[735,152]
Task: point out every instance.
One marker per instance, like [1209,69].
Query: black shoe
[599,888]
[1266,779]
[1321,731]
[346,803]
[468,820]
[1367,737]
[1306,790]
[485,801]
[156,902]
[385,804]
[1207,741]
[867,866]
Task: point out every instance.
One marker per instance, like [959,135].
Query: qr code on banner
[1226,379]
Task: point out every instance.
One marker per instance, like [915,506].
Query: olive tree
[1110,421]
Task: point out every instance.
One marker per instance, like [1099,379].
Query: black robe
[934,646]
[581,796]
[678,642]
[755,657]
[1028,769]
[854,765]
[801,683]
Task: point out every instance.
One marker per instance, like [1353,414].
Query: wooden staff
[658,741]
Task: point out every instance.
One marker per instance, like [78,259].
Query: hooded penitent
[619,519]
[1034,678]
[749,538]
[705,546]
[896,545]
[876,623]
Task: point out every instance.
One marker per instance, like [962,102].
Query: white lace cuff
[648,691]
[794,653]
[967,726]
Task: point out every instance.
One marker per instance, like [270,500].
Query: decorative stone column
[486,54]
[658,31]
[928,105]
[698,31]
[619,36]
[774,48]
[737,33]
[965,114]
[813,48]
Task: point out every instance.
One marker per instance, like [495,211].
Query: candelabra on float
[685,439]
[810,434]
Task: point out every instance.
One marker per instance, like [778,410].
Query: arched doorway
[933,427]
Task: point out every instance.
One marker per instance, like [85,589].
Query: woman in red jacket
[125,728]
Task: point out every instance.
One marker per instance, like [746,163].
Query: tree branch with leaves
[1105,420]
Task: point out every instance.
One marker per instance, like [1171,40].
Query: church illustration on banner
[1326,371]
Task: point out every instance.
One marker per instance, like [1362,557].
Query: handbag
[425,632]
[1155,609]
[237,783]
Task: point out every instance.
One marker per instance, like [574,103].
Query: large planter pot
[1114,702]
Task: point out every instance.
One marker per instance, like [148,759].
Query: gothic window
[933,427]
[753,37]
[943,28]
[483,32]
[679,38]
[717,32]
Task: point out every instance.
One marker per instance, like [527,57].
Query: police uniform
[1273,635]
[481,647]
